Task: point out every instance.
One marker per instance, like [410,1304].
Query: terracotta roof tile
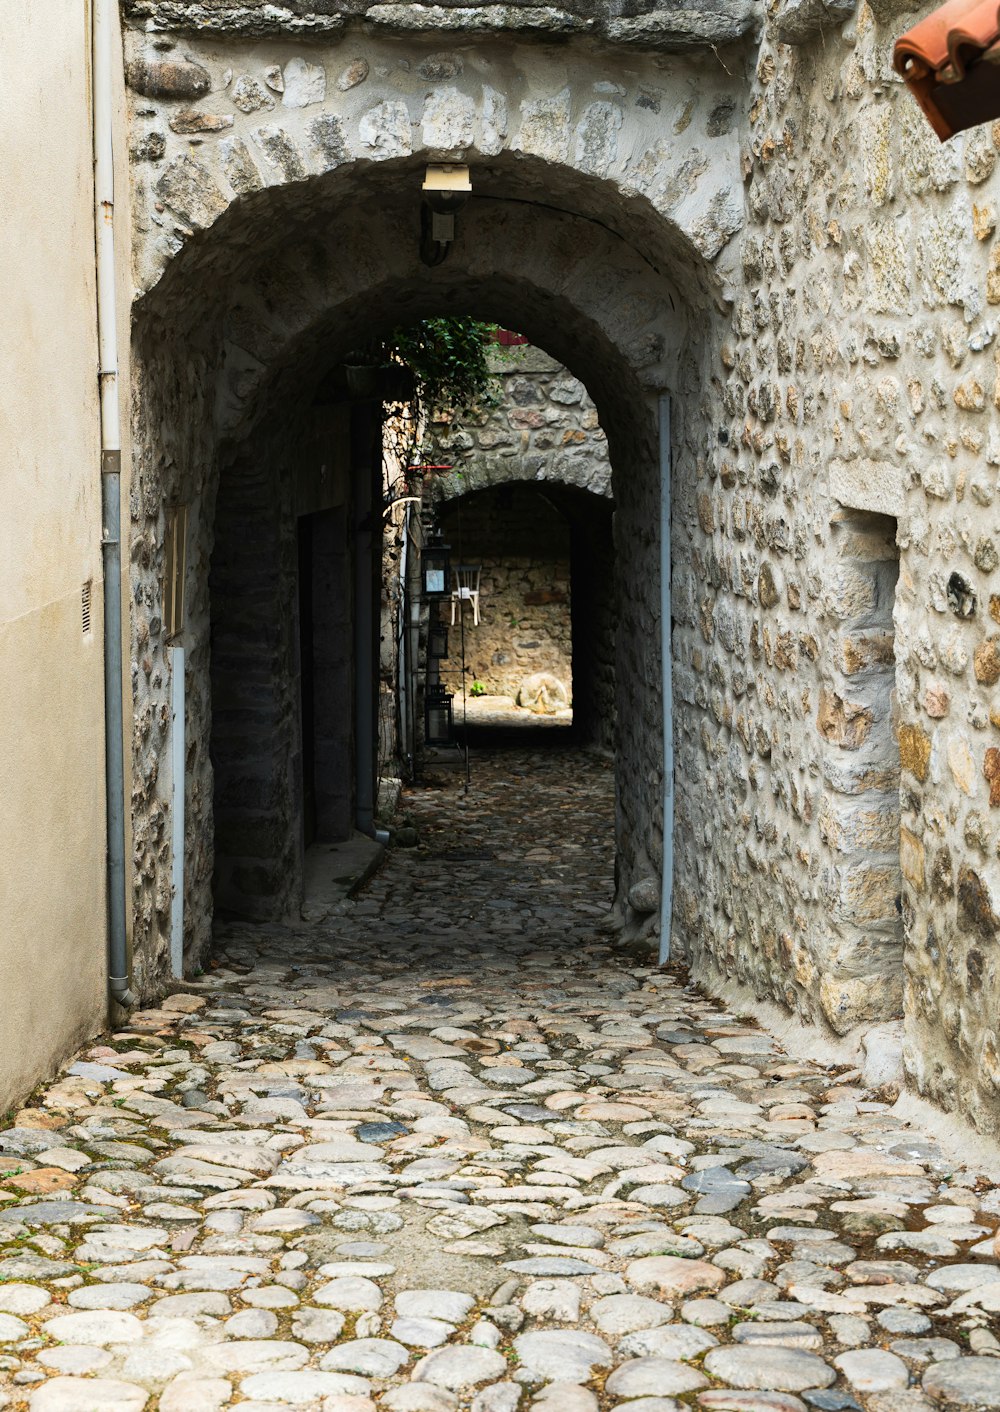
[951,63]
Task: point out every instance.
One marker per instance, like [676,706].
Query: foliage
[454,365]
[477,689]
[450,359]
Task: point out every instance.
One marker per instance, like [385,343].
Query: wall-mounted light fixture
[446,189]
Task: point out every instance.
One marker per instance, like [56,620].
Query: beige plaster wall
[52,909]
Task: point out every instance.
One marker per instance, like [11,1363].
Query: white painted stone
[305,84]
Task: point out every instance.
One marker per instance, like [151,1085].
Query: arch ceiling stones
[216,121]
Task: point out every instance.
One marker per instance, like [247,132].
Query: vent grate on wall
[85,604]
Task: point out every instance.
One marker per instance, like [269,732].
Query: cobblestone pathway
[446,1151]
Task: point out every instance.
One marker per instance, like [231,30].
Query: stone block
[249,95]
[975,906]
[865,484]
[937,700]
[860,824]
[888,266]
[191,122]
[282,151]
[326,131]
[850,776]
[986,662]
[677,28]
[852,593]
[961,764]
[866,895]
[914,750]
[865,652]
[768,591]
[354,74]
[911,859]
[799,21]
[843,723]
[861,1000]
[191,193]
[240,168]
[545,127]
[304,84]
[167,78]
[991,773]
[448,122]
[385,130]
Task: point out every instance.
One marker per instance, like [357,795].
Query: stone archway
[233,345]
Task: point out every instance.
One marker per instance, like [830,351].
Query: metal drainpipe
[667,684]
[177,777]
[103,37]
[413,633]
[403,644]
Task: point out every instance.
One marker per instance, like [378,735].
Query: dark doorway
[283,715]
[326,677]
[307,683]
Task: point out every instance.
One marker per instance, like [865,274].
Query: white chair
[467,578]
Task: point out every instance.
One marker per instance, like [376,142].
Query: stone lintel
[800,21]
[673,26]
[251,20]
[867,485]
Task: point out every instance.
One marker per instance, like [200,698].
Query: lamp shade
[438,716]
[435,568]
[437,641]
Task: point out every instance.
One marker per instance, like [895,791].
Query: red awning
[951,63]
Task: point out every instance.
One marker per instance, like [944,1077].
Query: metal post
[177,754]
[103,40]
[364,619]
[667,684]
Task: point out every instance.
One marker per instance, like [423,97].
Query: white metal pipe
[103,39]
[667,684]
[104,195]
[177,784]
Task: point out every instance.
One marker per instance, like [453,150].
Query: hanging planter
[396,383]
[362,379]
[384,382]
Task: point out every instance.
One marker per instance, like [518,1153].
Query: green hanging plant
[450,360]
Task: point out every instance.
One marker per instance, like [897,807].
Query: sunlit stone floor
[448,1150]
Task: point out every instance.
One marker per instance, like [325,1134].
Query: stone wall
[858,371]
[545,428]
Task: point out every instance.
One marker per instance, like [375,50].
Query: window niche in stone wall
[860,816]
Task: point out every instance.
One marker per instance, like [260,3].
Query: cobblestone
[449,1151]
